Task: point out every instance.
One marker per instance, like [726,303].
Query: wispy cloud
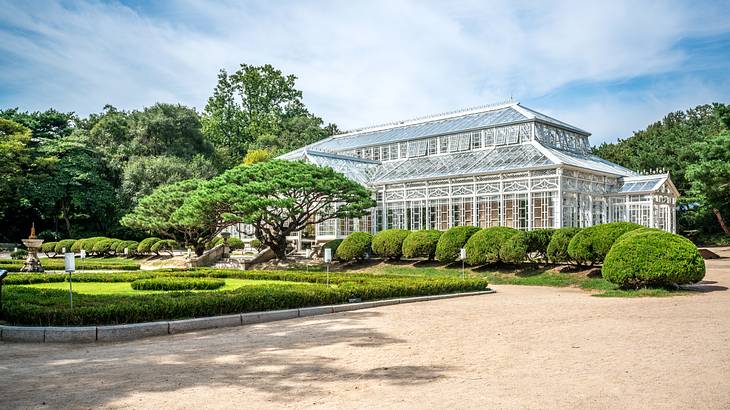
[364,62]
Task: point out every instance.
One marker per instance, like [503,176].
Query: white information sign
[70,262]
[328,255]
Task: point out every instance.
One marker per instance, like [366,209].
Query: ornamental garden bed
[49,264]
[109,298]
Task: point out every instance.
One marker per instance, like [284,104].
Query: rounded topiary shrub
[421,244]
[165,245]
[49,248]
[19,254]
[89,243]
[333,244]
[256,244]
[173,283]
[515,248]
[389,243]
[538,242]
[131,247]
[484,246]
[451,241]
[653,258]
[591,245]
[145,246]
[354,247]
[235,243]
[103,246]
[66,244]
[78,245]
[557,251]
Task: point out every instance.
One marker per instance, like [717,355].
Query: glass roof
[476,162]
[586,161]
[355,169]
[642,185]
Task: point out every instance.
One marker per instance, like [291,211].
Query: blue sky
[608,67]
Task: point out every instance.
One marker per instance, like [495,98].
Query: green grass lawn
[125,288]
[531,276]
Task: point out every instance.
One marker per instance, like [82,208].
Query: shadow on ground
[266,358]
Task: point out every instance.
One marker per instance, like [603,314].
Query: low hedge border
[177,283]
[32,306]
[13,265]
[113,333]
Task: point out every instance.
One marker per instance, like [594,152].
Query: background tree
[710,176]
[14,158]
[670,144]
[258,107]
[278,198]
[153,214]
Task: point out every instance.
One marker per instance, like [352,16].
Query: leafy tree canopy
[153,214]
[278,198]
[258,107]
[710,175]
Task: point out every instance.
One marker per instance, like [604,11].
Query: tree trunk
[278,245]
[721,220]
[64,212]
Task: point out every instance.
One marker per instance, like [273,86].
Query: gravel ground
[523,347]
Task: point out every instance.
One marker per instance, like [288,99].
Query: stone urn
[32,263]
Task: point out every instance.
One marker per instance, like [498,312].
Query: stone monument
[32,263]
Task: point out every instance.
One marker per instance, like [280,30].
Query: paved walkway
[524,347]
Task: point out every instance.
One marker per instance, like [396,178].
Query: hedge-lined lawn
[533,276]
[108,298]
[125,288]
[14,265]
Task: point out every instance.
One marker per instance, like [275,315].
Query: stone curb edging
[114,333]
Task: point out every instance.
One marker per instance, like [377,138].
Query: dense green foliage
[389,243]
[258,107]
[173,283]
[485,246]
[32,306]
[538,241]
[145,245]
[333,244]
[557,251]
[277,197]
[515,249]
[354,247]
[49,248]
[591,245]
[165,245]
[676,144]
[653,258]
[710,176]
[421,244]
[14,265]
[64,244]
[451,242]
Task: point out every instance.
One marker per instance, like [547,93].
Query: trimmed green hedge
[653,258]
[451,241]
[591,245]
[557,251]
[389,243]
[49,248]
[421,244]
[145,245]
[102,246]
[165,245]
[14,265]
[484,246]
[34,306]
[538,242]
[355,246]
[65,243]
[515,248]
[333,244]
[172,283]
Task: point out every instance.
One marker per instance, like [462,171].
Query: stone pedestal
[32,263]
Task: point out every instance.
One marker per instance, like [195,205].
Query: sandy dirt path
[523,347]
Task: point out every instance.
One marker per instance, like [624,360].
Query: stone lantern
[32,263]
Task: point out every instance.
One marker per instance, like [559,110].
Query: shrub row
[33,306]
[12,265]
[177,283]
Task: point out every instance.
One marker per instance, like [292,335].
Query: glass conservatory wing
[460,164]
[587,161]
[642,185]
[421,130]
[353,168]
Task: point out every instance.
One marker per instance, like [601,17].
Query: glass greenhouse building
[503,165]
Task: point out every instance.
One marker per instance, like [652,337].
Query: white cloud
[357,62]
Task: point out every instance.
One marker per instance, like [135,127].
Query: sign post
[462,256]
[327,261]
[70,262]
